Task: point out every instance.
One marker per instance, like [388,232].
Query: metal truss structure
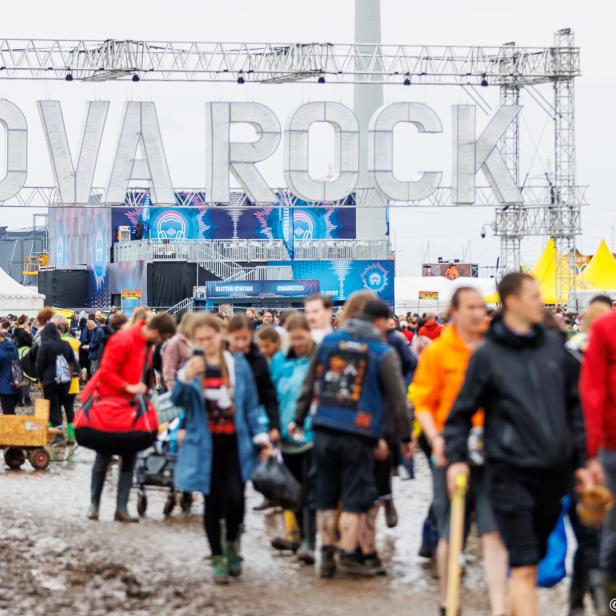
[551,211]
[560,217]
[535,198]
[101,60]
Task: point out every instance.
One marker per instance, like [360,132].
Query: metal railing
[309,250]
[236,251]
[185,304]
[191,250]
[264,272]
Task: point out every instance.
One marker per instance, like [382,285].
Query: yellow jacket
[74,344]
[440,376]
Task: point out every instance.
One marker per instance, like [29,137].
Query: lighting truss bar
[539,220]
[46,196]
[275,63]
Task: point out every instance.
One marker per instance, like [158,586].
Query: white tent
[433,293]
[17,298]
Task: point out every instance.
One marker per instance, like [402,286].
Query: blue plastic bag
[552,568]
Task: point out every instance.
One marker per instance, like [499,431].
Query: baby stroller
[155,467]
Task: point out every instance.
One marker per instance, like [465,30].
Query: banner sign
[340,278]
[261,288]
[431,295]
[131,300]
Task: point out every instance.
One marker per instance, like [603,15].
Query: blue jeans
[607,554]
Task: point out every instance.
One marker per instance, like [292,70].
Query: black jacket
[52,346]
[527,386]
[265,387]
[22,338]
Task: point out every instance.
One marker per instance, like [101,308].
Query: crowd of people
[521,402]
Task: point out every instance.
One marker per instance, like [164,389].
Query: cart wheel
[14,457]
[169,504]
[39,459]
[186,501]
[142,503]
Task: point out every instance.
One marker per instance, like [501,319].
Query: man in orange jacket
[438,380]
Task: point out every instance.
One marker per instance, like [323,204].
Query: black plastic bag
[274,480]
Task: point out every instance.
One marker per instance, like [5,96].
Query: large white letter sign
[381,150]
[223,155]
[73,184]
[16,128]
[471,154]
[140,126]
[296,174]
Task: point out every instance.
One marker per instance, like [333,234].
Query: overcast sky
[418,233]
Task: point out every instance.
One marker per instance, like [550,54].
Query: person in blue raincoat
[222,438]
[9,394]
[288,370]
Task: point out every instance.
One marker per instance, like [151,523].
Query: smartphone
[198,353]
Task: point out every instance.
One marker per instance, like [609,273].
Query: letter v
[73,184]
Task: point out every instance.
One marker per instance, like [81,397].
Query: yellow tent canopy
[600,273]
[544,271]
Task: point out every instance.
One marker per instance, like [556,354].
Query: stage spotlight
[321,79]
[407,81]
[240,80]
[69,77]
[484,81]
[136,78]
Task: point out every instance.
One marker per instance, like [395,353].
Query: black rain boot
[598,592]
[577,591]
[99,472]
[125,482]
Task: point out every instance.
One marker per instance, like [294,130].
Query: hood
[431,324]
[364,329]
[501,334]
[452,339]
[50,332]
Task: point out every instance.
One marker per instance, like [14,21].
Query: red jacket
[431,329]
[122,364]
[598,386]
[408,334]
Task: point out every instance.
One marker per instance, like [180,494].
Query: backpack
[27,358]
[63,371]
[17,374]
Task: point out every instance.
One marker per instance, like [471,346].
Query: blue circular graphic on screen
[304,225]
[374,278]
[171,225]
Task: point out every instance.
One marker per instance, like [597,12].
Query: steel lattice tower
[566,213]
[511,238]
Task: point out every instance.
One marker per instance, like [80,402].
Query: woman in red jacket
[120,377]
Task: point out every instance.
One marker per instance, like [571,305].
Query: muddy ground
[54,561]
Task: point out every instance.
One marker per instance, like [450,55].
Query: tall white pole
[367,98]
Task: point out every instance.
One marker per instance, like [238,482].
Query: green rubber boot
[234,560]
[220,572]
[70,433]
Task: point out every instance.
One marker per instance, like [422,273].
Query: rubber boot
[577,592]
[125,482]
[99,471]
[70,433]
[305,553]
[598,592]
